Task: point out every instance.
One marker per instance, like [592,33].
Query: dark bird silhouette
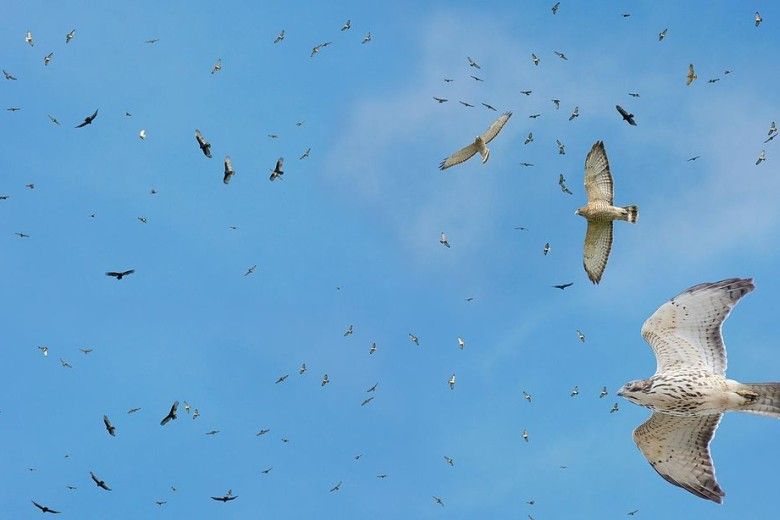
[628,118]
[489,107]
[336,487]
[171,414]
[110,428]
[366,401]
[119,275]
[229,171]
[267,470]
[10,76]
[440,100]
[277,172]
[100,483]
[227,497]
[465,104]
[205,146]
[13,109]
[633,94]
[133,410]
[563,285]
[694,157]
[44,509]
[88,120]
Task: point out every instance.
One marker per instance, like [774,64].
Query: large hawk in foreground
[689,392]
[479,144]
[599,212]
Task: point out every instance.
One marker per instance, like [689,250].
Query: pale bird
[580,336]
[603,392]
[451,382]
[529,139]
[691,77]
[689,392]
[479,144]
[347,25]
[47,59]
[443,239]
[758,19]
[473,63]
[525,435]
[575,113]
[366,38]
[414,339]
[761,157]
[29,38]
[142,135]
[44,350]
[217,66]
[600,212]
[527,396]
[461,343]
[372,349]
[574,391]
[277,172]
[70,36]
[534,59]
[229,171]
[662,35]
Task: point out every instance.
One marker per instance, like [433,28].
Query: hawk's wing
[678,448]
[496,127]
[598,180]
[462,155]
[598,244]
[686,330]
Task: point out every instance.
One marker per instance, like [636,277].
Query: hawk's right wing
[462,155]
[496,127]
[598,179]
[598,244]
[686,330]
[678,448]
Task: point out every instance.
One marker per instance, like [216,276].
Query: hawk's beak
[620,393]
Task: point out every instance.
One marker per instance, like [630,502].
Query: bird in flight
[282,379]
[47,59]
[546,249]
[212,432]
[526,164]
[689,392]
[563,286]
[120,274]
[373,388]
[325,380]
[489,107]
[758,19]
[336,487]
[70,36]
[615,408]
[443,239]
[600,212]
[633,94]
[85,350]
[693,158]
[603,392]
[205,146]
[8,75]
[305,154]
[440,100]
[110,428]
[250,270]
[372,349]
[475,78]
[366,38]
[662,35]
[100,483]
[24,235]
[414,339]
[580,336]
[302,369]
[277,172]
[171,413]
[267,470]
[461,343]
[451,382]
[466,104]
[439,501]
[526,92]
[217,66]
[152,41]
[575,113]
[555,7]
[574,391]
[562,184]
[229,171]
[366,401]
[529,139]
[279,37]
[527,396]
[65,364]
[348,331]
[316,48]
[761,157]
[628,118]
[347,25]
[479,144]
[525,435]
[142,135]
[88,120]
[561,147]
[44,509]
[133,410]
[534,59]
[473,63]
[560,55]
[227,497]
[691,77]
[29,38]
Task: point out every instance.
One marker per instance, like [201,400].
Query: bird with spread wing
[479,144]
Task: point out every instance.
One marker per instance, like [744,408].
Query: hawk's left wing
[598,179]
[678,448]
[598,244]
[496,127]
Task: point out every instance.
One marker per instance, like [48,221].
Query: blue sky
[364,213]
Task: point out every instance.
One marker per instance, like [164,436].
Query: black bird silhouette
[119,275]
[226,497]
[110,428]
[563,285]
[171,414]
[628,118]
[44,509]
[277,171]
[100,483]
[204,145]
[88,120]
[465,104]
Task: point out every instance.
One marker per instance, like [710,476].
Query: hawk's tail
[632,213]
[762,398]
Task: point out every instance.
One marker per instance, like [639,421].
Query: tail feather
[632,213]
[763,399]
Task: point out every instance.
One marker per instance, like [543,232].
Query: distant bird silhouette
[575,113]
[758,19]
[8,75]
[461,343]
[316,49]
[120,274]
[347,25]
[372,349]
[100,483]
[217,66]
[302,369]
[44,509]
[529,139]
[250,270]
[277,172]
[279,37]
[366,401]
[443,239]
[29,38]
[561,147]
[489,107]
[266,471]
[761,157]
[546,249]
[212,432]
[414,339]
[662,35]
[110,428]
[563,285]
[65,364]
[603,392]
[348,331]
[555,7]
[373,388]
[633,94]
[133,410]
[694,158]
[526,92]
[227,497]
[439,100]
[439,501]
[205,146]
[282,379]
[47,59]
[305,154]
[527,396]
[451,382]
[560,55]
[466,104]
[614,408]
[366,38]
[449,460]
[691,77]
[336,487]
[575,391]
[88,120]
[580,336]
[229,172]
[325,380]
[70,36]
[473,63]
[534,59]
[562,184]
[629,118]
[171,414]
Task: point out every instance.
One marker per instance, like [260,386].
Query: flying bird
[662,35]
[229,171]
[171,414]
[475,78]
[47,59]
[44,509]
[267,470]
[217,66]
[277,172]
[110,428]
[527,396]
[325,380]
[133,410]
[580,336]
[70,36]
[439,501]
[599,212]
[373,388]
[473,63]
[489,107]
[8,75]
[560,55]
[120,274]
[85,350]
[761,157]
[556,103]
[366,38]
[451,382]
[633,94]
[479,144]
[615,408]
[525,435]
[689,393]
[347,25]
[529,139]
[279,37]
[563,286]
[142,135]
[227,497]
[466,104]
[305,154]
[282,379]
[372,349]
[316,48]
[100,483]
[526,92]
[562,184]
[758,19]
[302,369]
[461,343]
[628,118]
[691,77]
[88,120]
[449,460]
[693,158]
[603,392]
[366,401]
[205,146]
[414,339]
[546,248]
[555,7]
[212,432]
[336,487]
[29,38]
[443,239]
[534,59]
[561,147]
[575,391]
[440,100]
[152,41]
[348,331]
[575,113]
[250,270]
[65,364]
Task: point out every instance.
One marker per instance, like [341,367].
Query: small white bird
[367,38]
[603,392]
[525,435]
[691,77]
[451,382]
[581,336]
[527,396]
[614,408]
[302,369]
[217,66]
[761,157]
[142,134]
[662,35]
[70,36]
[443,239]
[414,339]
[316,49]
[575,391]
[772,128]
[347,25]
[461,343]
[44,350]
[758,19]
[279,37]
[47,59]
[575,113]
[29,38]
[187,407]
[372,349]
[325,380]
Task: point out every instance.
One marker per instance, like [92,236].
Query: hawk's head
[635,391]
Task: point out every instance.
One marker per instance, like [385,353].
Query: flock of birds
[683,333]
